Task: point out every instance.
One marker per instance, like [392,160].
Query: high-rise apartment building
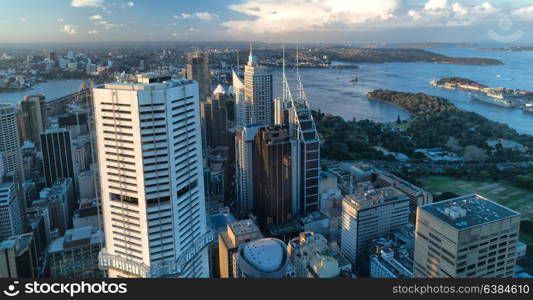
[33,118]
[272,178]
[466,237]
[198,69]
[229,241]
[244,150]
[258,92]
[56,145]
[369,215]
[152,188]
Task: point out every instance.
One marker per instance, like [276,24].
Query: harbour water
[330,90]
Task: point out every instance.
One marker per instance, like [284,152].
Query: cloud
[96,18]
[23,19]
[275,16]
[205,16]
[93,32]
[130,4]
[443,13]
[87,3]
[60,20]
[524,13]
[70,29]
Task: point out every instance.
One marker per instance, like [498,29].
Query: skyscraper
[33,118]
[198,70]
[272,180]
[254,102]
[11,209]
[215,116]
[10,143]
[369,215]
[244,150]
[57,155]
[18,257]
[229,241]
[468,236]
[152,188]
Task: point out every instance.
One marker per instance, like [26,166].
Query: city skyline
[267,20]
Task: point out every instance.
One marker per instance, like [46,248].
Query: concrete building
[390,260]
[313,257]
[272,177]
[197,69]
[33,118]
[263,258]
[244,151]
[18,257]
[367,216]
[215,116]
[75,255]
[150,159]
[60,202]
[254,97]
[11,207]
[466,237]
[10,143]
[230,240]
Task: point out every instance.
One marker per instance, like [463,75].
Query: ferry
[495,99]
[528,107]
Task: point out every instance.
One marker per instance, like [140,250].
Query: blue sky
[268,20]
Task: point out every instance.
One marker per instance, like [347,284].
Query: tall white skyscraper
[150,160]
[244,143]
[254,97]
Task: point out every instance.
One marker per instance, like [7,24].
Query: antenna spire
[251,57]
[297,57]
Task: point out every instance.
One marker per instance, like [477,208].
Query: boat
[528,107]
[495,99]
[355,79]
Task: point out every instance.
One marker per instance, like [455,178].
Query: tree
[453,145]
[399,120]
[473,153]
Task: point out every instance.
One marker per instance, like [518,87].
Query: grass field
[504,193]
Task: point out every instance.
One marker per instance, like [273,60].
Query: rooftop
[468,211]
[376,197]
[244,226]
[267,255]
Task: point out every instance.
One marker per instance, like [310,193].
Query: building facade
[466,237]
[57,156]
[152,187]
[33,118]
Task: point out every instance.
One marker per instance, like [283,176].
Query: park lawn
[504,193]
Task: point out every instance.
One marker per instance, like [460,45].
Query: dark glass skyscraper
[272,167]
[57,155]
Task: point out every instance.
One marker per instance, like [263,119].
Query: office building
[197,69]
[56,145]
[272,181]
[313,257]
[369,215]
[263,258]
[258,92]
[75,255]
[150,160]
[244,151]
[215,115]
[10,143]
[389,260]
[18,257]
[11,209]
[242,109]
[33,118]
[466,237]
[229,240]
[60,202]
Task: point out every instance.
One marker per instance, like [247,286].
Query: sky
[502,21]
